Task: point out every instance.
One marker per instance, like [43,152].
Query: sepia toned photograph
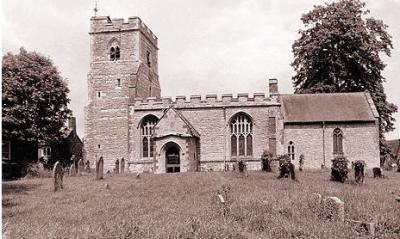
[198,119]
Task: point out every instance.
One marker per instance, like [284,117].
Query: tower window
[291,150]
[148,59]
[117,53]
[241,135]
[99,94]
[99,146]
[112,54]
[119,82]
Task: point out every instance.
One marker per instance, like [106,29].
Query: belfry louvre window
[147,129]
[114,53]
[241,135]
[291,150]
[337,141]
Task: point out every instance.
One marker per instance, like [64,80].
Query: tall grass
[185,206]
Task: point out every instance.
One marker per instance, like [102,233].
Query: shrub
[339,169]
[286,168]
[37,170]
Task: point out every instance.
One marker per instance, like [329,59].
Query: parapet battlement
[103,24]
[211,100]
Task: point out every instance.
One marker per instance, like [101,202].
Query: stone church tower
[123,66]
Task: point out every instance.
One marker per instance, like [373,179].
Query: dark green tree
[34,98]
[339,51]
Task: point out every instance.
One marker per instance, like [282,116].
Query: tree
[339,51]
[34,98]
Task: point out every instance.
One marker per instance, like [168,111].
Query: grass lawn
[185,206]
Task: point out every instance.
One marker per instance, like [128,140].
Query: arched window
[117,53]
[241,135]
[291,150]
[112,54]
[147,128]
[337,141]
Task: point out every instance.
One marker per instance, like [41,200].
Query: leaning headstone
[58,176]
[99,168]
[122,165]
[116,169]
[80,167]
[72,170]
[333,209]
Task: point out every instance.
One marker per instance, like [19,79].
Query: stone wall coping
[210,100]
[101,24]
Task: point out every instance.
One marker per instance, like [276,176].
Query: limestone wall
[360,142]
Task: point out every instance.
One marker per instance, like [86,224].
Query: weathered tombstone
[87,166]
[241,166]
[99,168]
[72,170]
[359,171]
[80,167]
[333,209]
[363,227]
[339,169]
[122,165]
[301,162]
[116,169]
[266,159]
[58,176]
[377,172]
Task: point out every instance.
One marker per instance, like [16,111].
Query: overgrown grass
[185,206]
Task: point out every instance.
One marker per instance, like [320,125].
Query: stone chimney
[273,87]
[72,123]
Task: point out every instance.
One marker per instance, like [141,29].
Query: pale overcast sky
[206,46]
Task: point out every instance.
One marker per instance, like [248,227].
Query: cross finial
[95,9]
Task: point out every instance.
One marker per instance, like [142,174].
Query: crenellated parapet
[207,101]
[102,24]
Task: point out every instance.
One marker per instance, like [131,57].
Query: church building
[126,116]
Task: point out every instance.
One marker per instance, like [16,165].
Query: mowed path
[185,206]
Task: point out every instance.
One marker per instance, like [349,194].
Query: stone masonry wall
[211,118]
[360,142]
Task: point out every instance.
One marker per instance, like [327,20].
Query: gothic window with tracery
[241,135]
[147,129]
[338,141]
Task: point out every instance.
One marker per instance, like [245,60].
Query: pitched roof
[394,146]
[191,131]
[334,107]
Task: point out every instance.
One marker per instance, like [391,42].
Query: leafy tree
[34,98]
[339,51]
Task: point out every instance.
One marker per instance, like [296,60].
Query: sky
[205,46]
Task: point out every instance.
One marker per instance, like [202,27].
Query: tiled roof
[334,107]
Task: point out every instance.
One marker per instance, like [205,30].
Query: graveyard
[199,205]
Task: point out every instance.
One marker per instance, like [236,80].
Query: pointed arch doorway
[172,158]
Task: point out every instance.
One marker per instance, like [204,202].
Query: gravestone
[58,176]
[87,166]
[333,209]
[122,165]
[80,167]
[116,169]
[301,162]
[72,170]
[377,172]
[359,171]
[99,168]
